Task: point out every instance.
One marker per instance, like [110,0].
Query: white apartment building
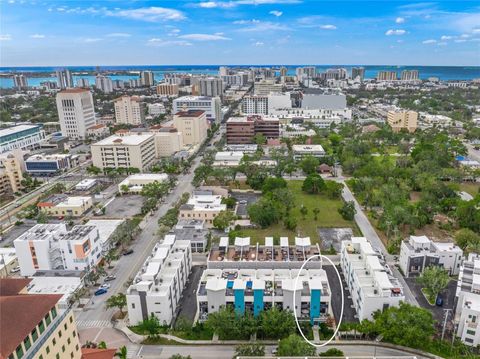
[129,110]
[203,205]
[370,282]
[467,311]
[47,247]
[157,287]
[23,137]
[210,86]
[240,79]
[193,125]
[420,252]
[104,83]
[409,75]
[266,104]
[136,151]
[265,87]
[211,105]
[300,151]
[76,112]
[136,182]
[255,290]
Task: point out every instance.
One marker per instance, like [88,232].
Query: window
[57,356]
[47,319]
[469,340]
[19,351]
[63,348]
[40,357]
[59,333]
[69,341]
[470,332]
[65,326]
[34,334]
[71,319]
[74,333]
[76,347]
[27,343]
[47,349]
[54,312]
[54,341]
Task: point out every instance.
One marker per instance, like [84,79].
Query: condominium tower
[76,112]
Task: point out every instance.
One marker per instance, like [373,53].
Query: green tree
[259,139]
[151,326]
[264,212]
[230,202]
[124,189]
[309,164]
[466,237]
[102,345]
[303,211]
[223,220]
[313,184]
[316,211]
[348,211]
[434,279]
[121,353]
[272,183]
[294,346]
[178,356]
[117,301]
[93,170]
[290,222]
[333,189]
[283,196]
[155,190]
[332,352]
[276,324]
[249,350]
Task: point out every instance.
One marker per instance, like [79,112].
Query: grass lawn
[471,188]
[328,217]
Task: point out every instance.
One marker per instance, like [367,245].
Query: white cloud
[37,36]
[204,37]
[150,14]
[159,42]
[276,13]
[441,44]
[118,34]
[328,27]
[260,26]
[400,20]
[5,37]
[395,32]
[431,41]
[460,40]
[258,44]
[445,37]
[92,39]
[232,4]
[464,36]
[244,22]
[476,31]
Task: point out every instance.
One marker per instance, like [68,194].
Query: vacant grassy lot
[328,217]
[472,188]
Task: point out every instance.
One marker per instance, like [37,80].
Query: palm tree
[122,353]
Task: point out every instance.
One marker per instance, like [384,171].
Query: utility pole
[447,312]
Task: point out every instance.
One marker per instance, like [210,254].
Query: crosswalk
[132,350]
[83,324]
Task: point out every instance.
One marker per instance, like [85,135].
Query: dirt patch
[333,237]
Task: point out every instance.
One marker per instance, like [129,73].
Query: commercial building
[212,106]
[129,110]
[50,247]
[166,89]
[242,130]
[358,72]
[168,141]
[249,148]
[210,86]
[8,261]
[420,253]
[402,120]
[11,168]
[294,130]
[369,280]
[387,76]
[156,109]
[23,137]
[193,126]
[20,81]
[264,105]
[202,205]
[158,285]
[137,151]
[409,75]
[265,87]
[147,78]
[136,182]
[98,131]
[76,112]
[33,325]
[44,165]
[62,205]
[86,184]
[300,151]
[318,99]
[64,79]
[194,231]
[227,159]
[322,118]
[104,84]
[467,311]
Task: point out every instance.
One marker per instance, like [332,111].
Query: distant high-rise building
[129,110]
[166,89]
[387,76]
[118,84]
[64,79]
[84,83]
[305,72]
[147,78]
[358,72]
[264,87]
[134,83]
[75,112]
[20,81]
[210,86]
[223,71]
[104,83]
[283,71]
[409,75]
[336,74]
[48,85]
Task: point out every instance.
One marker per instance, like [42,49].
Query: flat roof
[129,140]
[14,129]
[315,148]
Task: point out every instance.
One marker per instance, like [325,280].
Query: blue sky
[43,33]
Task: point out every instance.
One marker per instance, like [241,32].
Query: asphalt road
[473,153]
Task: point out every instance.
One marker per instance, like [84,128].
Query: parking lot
[243,200]
[15,232]
[123,206]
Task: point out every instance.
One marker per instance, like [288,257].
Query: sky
[69,33]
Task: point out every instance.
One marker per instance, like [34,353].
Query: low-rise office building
[62,205]
[33,325]
[86,184]
[136,182]
[293,131]
[300,151]
[23,137]
[420,252]
[402,120]
[227,159]
[50,247]
[44,165]
[467,311]
[369,280]
[194,231]
[137,151]
[158,285]
[202,205]
[242,130]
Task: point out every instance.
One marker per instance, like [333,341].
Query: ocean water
[442,72]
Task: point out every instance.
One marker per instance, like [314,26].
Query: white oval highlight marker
[343,299]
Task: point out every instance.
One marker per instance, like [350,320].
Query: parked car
[105,286]
[15,270]
[100,291]
[109,278]
[128,252]
[439,301]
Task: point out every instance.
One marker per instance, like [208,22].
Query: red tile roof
[90,353]
[12,286]
[189,113]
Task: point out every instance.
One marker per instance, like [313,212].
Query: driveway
[336,297]
[187,308]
